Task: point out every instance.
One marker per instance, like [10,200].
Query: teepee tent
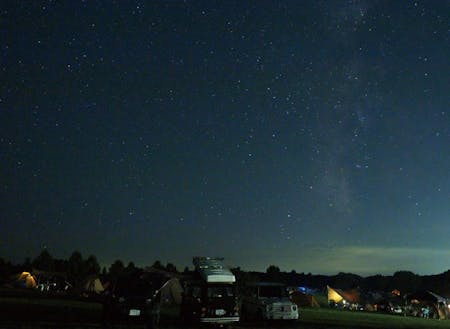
[337,296]
[334,295]
[93,285]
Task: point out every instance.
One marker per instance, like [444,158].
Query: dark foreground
[39,312]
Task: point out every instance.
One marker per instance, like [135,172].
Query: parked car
[134,298]
[268,301]
[397,309]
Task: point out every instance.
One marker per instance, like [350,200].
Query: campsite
[76,294]
[31,313]
[33,308]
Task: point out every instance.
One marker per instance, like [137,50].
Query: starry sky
[313,135]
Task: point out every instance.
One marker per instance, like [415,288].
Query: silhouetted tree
[346,281]
[26,266]
[375,283]
[157,265]
[3,269]
[171,268]
[272,269]
[273,273]
[131,268]
[7,269]
[61,265]
[44,261]
[76,267]
[117,268]
[405,281]
[91,265]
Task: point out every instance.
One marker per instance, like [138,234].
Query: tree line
[403,281]
[76,268]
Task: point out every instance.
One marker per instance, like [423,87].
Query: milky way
[312,135]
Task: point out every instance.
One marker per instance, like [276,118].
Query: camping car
[210,293]
[268,301]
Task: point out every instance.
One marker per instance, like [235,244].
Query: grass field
[50,310]
[337,319]
[28,312]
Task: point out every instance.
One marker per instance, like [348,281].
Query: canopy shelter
[426,297]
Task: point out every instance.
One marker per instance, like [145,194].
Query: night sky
[313,135]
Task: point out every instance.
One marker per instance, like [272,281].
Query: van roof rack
[212,269]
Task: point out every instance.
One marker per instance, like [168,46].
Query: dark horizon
[190,266]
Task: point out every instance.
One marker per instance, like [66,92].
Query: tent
[93,285]
[26,280]
[303,300]
[171,292]
[438,304]
[338,296]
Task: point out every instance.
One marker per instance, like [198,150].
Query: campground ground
[312,319]
[31,312]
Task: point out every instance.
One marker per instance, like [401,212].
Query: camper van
[209,295]
[268,301]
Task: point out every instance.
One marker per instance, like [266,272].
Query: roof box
[212,270]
